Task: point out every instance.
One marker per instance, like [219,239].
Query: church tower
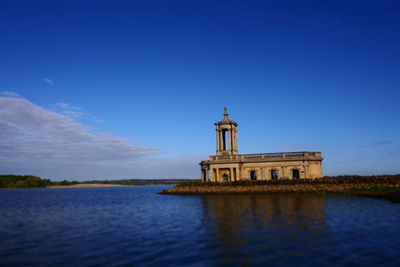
[229,166]
[226,136]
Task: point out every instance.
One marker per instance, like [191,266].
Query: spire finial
[226,113]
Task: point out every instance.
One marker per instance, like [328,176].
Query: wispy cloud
[9,94]
[67,106]
[48,81]
[74,112]
[32,137]
[69,110]
[379,143]
[285,147]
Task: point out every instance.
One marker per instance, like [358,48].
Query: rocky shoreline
[384,186]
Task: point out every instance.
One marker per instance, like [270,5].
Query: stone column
[237,174]
[231,139]
[236,144]
[217,174]
[231,176]
[217,134]
[221,140]
[207,174]
[220,146]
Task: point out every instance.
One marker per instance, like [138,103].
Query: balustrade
[268,156]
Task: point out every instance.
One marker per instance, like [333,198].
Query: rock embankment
[323,185]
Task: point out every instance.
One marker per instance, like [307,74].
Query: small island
[385,186]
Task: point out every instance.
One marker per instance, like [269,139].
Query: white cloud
[35,140]
[74,112]
[9,94]
[69,110]
[48,81]
[67,106]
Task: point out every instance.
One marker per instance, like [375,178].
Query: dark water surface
[133,225]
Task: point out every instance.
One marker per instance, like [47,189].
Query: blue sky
[131,89]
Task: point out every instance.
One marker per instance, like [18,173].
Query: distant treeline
[28,181]
[22,181]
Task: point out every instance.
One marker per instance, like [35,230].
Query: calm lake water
[133,225]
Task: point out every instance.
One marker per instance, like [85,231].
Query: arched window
[296,174]
[225,139]
[225,177]
[253,175]
[274,174]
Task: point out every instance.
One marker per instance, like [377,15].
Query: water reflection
[261,228]
[134,226]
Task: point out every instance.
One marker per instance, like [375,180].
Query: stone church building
[228,165]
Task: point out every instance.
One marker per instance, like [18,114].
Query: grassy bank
[377,186]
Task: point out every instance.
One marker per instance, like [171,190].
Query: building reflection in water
[262,228]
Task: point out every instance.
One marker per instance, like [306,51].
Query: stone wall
[338,185]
